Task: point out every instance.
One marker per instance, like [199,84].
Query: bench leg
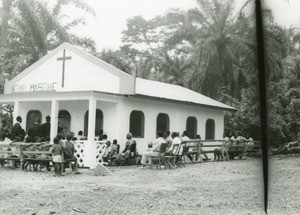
[21,164]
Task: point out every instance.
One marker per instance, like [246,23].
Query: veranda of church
[81,92]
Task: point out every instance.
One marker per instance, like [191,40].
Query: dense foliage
[30,28]
[210,48]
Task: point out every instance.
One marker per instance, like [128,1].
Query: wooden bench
[199,147]
[191,148]
[233,150]
[37,159]
[34,158]
[26,157]
[9,154]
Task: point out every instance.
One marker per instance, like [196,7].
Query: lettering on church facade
[19,88]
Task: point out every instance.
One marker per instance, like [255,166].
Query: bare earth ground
[284,185]
[232,187]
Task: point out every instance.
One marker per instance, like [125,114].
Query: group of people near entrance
[36,132]
[38,138]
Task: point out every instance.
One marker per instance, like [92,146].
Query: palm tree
[219,40]
[30,28]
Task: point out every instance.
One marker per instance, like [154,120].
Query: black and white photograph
[155,107]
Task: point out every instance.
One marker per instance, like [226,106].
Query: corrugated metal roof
[174,92]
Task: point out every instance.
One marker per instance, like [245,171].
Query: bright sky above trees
[111,16]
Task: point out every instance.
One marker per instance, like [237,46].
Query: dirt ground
[284,185]
[230,187]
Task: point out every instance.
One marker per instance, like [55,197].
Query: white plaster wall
[178,115]
[78,72]
[109,118]
[77,111]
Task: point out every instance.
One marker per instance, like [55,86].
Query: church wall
[178,114]
[96,77]
[78,72]
[77,110]
[109,118]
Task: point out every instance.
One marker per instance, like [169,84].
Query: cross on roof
[63,58]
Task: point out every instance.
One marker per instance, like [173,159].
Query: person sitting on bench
[202,152]
[222,151]
[154,150]
[6,141]
[107,152]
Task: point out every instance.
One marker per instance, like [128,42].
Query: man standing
[17,130]
[45,128]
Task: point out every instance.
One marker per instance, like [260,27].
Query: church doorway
[64,121]
[99,123]
[32,115]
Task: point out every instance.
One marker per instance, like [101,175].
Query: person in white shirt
[168,139]
[184,137]
[7,141]
[154,150]
[176,140]
[222,151]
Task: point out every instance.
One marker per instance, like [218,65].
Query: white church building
[82,92]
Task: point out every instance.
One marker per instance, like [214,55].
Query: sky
[286,12]
[111,16]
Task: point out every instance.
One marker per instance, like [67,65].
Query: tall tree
[31,27]
[219,41]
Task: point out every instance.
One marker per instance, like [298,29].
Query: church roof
[174,92]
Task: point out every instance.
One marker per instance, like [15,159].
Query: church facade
[83,93]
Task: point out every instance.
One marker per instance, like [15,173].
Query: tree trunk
[4,13]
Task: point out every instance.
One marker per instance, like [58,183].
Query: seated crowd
[232,146]
[63,145]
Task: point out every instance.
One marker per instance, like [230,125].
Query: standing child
[57,158]
[69,153]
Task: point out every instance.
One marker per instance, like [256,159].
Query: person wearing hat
[45,128]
